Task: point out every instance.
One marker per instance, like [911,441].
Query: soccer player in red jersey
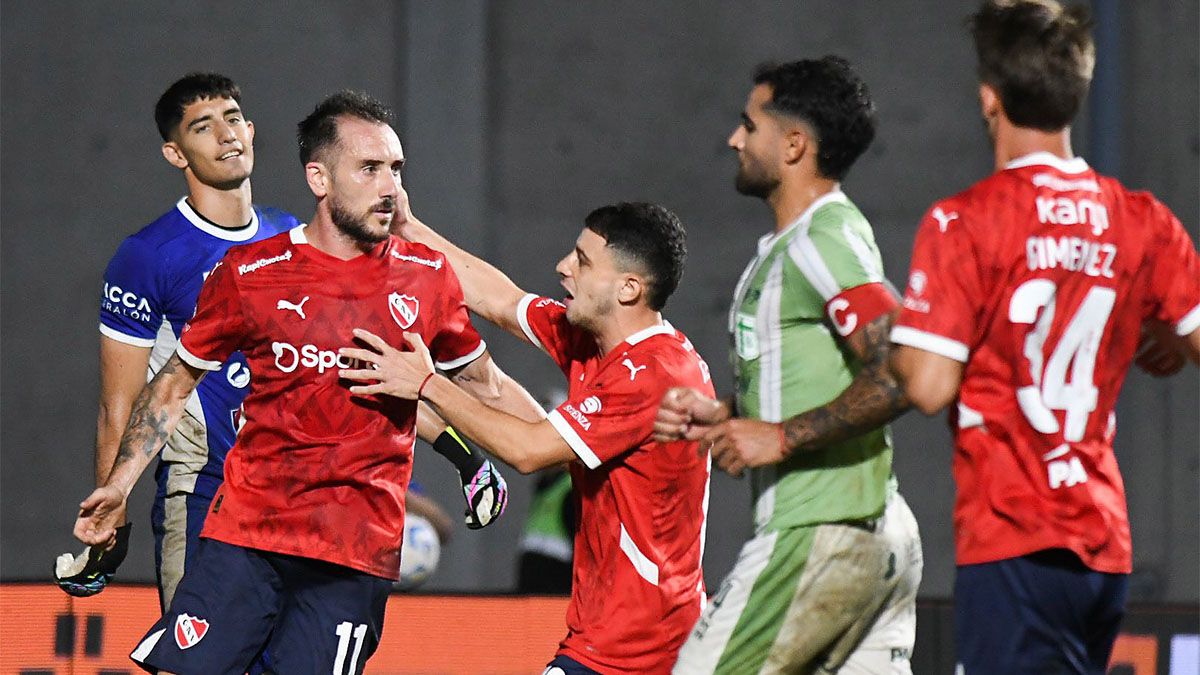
[638,586]
[302,541]
[1024,307]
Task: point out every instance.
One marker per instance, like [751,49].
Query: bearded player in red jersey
[637,586]
[1025,303]
[302,541]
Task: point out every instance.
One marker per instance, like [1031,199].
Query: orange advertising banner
[44,631]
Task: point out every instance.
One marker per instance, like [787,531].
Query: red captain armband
[856,307]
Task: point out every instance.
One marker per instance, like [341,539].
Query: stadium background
[519,117]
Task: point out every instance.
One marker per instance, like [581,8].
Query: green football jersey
[787,360]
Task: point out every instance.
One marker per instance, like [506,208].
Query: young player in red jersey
[1025,303]
[302,542]
[638,586]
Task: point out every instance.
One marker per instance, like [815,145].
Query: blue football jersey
[150,291]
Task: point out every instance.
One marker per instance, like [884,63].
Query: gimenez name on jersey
[125,303]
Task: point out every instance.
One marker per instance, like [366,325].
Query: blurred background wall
[518,118]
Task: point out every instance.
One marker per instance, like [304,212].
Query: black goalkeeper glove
[483,486]
[89,572]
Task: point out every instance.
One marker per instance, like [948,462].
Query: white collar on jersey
[240,234]
[835,195]
[663,328]
[1073,165]
[296,234]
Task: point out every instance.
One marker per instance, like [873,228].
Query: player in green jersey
[829,580]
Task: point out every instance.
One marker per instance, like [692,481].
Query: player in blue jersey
[150,290]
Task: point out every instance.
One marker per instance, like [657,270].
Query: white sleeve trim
[195,361]
[645,567]
[1189,322]
[523,320]
[563,427]
[943,346]
[462,360]
[117,335]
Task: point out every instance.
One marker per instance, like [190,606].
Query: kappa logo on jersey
[288,358]
[126,303]
[845,322]
[633,371]
[238,375]
[263,262]
[944,218]
[189,630]
[297,308]
[404,309]
[435,264]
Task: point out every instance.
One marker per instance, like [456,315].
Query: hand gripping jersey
[317,472]
[638,586]
[1038,279]
[823,273]
[150,291]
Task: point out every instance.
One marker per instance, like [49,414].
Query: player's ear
[250,131]
[318,178]
[631,290]
[174,155]
[798,143]
[989,101]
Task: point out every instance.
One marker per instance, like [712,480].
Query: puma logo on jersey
[633,370]
[944,218]
[297,308]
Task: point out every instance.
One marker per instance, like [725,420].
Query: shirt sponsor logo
[435,264]
[189,630]
[263,262]
[1064,185]
[404,309]
[547,301]
[591,405]
[916,287]
[288,358]
[580,418]
[126,303]
[238,375]
[1064,211]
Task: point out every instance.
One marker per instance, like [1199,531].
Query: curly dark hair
[319,130]
[830,97]
[168,112]
[648,237]
[1038,56]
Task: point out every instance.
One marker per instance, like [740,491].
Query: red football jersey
[1038,279]
[315,471]
[637,586]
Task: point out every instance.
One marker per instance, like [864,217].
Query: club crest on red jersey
[404,309]
[189,630]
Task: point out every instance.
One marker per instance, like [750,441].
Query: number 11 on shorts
[344,630]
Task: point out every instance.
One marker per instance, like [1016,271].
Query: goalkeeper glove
[483,486]
[89,572]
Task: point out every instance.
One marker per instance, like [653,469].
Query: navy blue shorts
[1040,613]
[565,665]
[234,602]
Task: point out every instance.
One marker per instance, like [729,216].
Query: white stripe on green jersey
[787,361]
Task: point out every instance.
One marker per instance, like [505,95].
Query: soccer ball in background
[420,553]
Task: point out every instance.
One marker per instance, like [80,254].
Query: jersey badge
[404,309]
[189,630]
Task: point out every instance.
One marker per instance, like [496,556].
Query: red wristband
[422,387]
[783,441]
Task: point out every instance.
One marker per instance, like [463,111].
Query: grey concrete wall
[518,118]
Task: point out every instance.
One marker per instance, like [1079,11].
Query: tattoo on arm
[873,399]
[149,421]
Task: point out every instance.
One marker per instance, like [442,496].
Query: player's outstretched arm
[488,291]
[526,446]
[873,398]
[152,419]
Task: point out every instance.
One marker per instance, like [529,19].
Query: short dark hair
[830,97]
[648,236]
[1038,56]
[168,112]
[319,130]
